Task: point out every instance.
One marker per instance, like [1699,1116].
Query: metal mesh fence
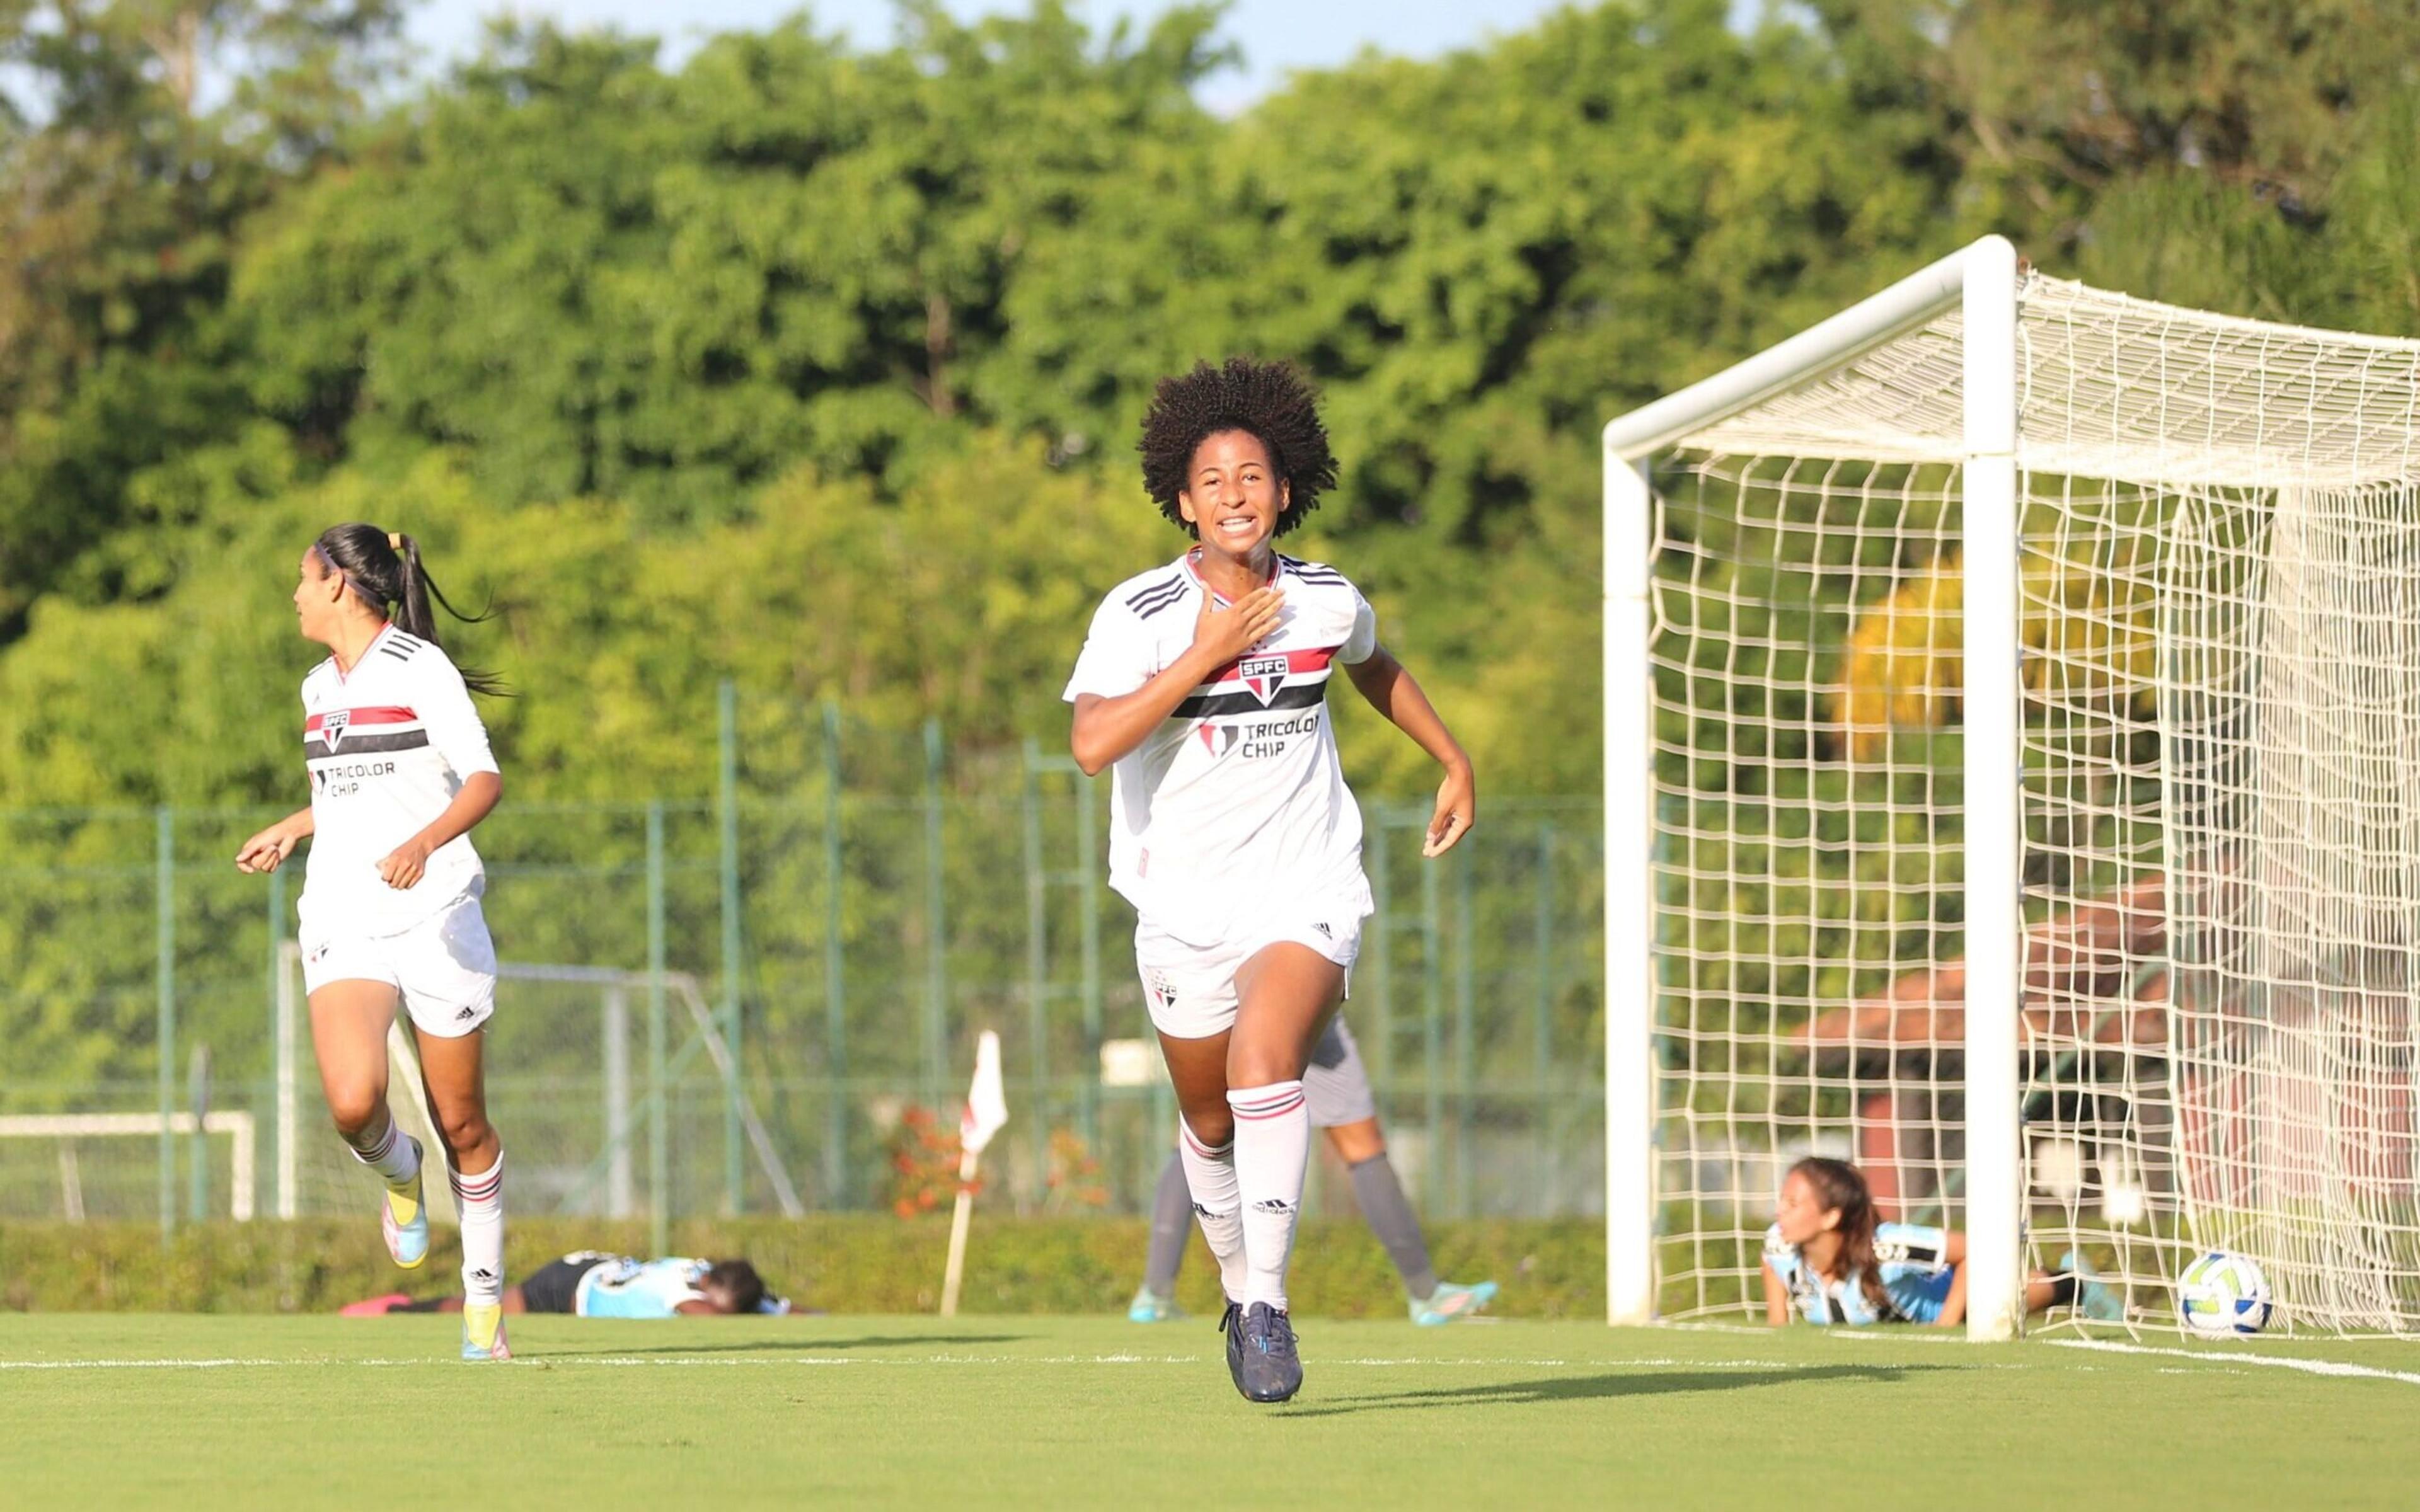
[845,926]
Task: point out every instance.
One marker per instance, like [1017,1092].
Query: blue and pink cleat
[1450,1301]
[403,1220]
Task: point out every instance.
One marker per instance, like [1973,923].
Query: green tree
[126,185]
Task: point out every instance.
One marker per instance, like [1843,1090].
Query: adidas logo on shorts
[1324,933]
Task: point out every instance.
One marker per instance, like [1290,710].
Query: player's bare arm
[1108,728]
[263,851]
[481,792]
[1393,692]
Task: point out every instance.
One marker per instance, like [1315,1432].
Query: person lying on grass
[1828,1258]
[591,1284]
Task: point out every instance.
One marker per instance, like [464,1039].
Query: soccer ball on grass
[2223,1295]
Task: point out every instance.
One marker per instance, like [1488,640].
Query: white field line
[1893,1334]
[2280,1362]
[676,1361]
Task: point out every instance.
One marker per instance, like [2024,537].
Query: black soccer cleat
[1260,1354]
[1230,1323]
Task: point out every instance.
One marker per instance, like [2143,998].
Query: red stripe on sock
[1262,1096]
[1269,1111]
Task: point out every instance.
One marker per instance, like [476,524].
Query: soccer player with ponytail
[1829,1258]
[400,772]
[1205,684]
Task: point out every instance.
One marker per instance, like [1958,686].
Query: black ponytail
[385,571]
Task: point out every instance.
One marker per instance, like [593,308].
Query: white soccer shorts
[1190,989]
[443,968]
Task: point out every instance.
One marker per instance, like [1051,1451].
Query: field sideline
[205,1411]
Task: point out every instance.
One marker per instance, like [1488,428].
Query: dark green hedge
[846,1263]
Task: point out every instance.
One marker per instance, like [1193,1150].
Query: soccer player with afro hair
[1203,684]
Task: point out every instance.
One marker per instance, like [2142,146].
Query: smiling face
[1802,1215]
[1233,496]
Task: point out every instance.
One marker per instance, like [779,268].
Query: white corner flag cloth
[986,1115]
[987,1110]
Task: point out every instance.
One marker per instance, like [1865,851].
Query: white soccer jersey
[388,746]
[1237,802]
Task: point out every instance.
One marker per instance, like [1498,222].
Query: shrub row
[852,1263]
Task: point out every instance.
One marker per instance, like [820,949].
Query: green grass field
[205,1412]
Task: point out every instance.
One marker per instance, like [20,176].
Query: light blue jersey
[621,1287]
[1916,1276]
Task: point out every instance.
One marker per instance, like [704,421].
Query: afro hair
[1269,400]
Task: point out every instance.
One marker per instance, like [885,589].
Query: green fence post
[937,953]
[659,1099]
[835,977]
[1037,961]
[1432,1032]
[734,1170]
[1089,936]
[197,1144]
[1465,1046]
[165,985]
[1542,1047]
[276,1028]
[1382,956]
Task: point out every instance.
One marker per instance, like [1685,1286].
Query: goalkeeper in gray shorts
[1336,1087]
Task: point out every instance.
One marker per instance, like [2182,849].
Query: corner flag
[986,1115]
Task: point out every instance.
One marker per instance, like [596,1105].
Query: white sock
[1210,1175]
[391,1153]
[480,1200]
[1272,1148]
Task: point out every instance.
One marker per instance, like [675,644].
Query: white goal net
[2212,938]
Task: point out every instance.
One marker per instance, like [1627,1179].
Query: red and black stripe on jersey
[361,731]
[1260,683]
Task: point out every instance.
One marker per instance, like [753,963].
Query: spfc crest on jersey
[1264,675]
[331,726]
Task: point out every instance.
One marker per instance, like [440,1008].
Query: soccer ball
[2222,1295]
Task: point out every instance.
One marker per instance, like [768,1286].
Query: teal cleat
[2094,1297]
[403,1222]
[1450,1301]
[1149,1306]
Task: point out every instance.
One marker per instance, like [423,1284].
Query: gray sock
[1172,1225]
[1390,1216]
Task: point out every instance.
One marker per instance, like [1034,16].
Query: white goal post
[633,1102]
[68,1128]
[2012,780]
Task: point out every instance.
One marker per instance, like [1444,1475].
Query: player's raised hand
[1457,810]
[263,851]
[1226,633]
